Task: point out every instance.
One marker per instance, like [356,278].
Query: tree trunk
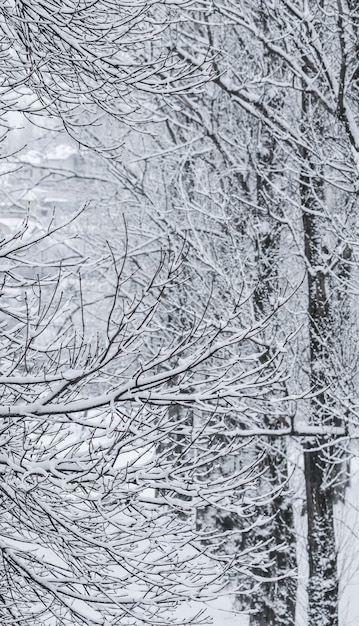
[322,553]
[275,602]
[320,491]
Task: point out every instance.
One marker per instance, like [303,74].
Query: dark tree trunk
[275,602]
[320,491]
[322,553]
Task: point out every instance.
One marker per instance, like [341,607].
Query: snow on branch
[89,57]
[112,425]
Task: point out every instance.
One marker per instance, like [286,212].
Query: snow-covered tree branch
[100,485]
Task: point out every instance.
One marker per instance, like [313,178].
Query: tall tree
[289,70]
[222,192]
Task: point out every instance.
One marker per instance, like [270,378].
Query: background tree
[281,71]
[217,193]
